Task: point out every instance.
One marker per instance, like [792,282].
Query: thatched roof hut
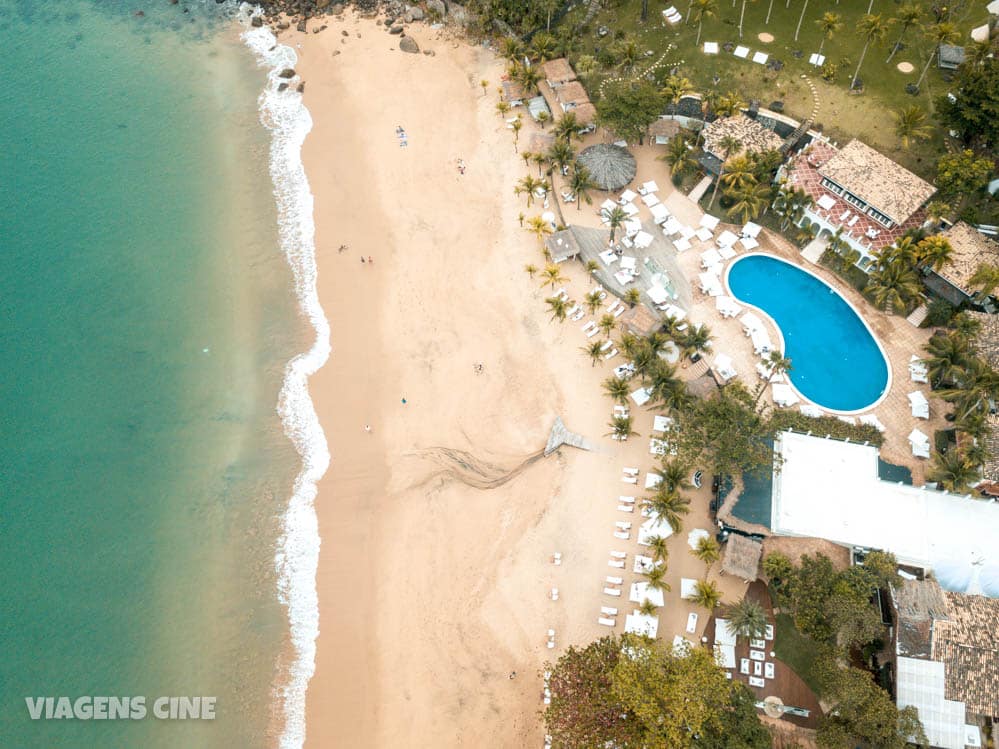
[742,557]
[640,321]
[612,167]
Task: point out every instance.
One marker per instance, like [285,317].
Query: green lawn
[795,650]
[841,114]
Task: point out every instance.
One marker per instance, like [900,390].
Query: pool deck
[898,338]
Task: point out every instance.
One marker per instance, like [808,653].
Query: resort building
[640,321]
[986,344]
[663,130]
[571,95]
[752,136]
[558,72]
[946,660]
[868,197]
[586,116]
[742,557]
[971,250]
[831,489]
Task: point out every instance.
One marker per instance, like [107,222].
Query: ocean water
[157,445]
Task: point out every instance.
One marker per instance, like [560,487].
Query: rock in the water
[408,18]
[336,52]
[345,32]
[283,25]
[301,25]
[389,21]
[287,73]
[257,22]
[395,30]
[282,86]
[416,13]
[437,7]
[408,44]
[301,87]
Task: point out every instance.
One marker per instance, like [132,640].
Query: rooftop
[877,180]
[967,643]
[585,113]
[640,320]
[919,603]
[742,557]
[540,142]
[990,471]
[513,91]
[830,489]
[572,93]
[562,245]
[971,249]
[558,71]
[664,128]
[751,134]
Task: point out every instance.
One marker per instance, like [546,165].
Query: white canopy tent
[724,367]
[660,213]
[641,396]
[710,284]
[709,222]
[783,395]
[658,295]
[751,230]
[643,239]
[727,238]
[642,624]
[688,587]
[651,528]
[695,536]
[920,444]
[751,322]
[727,306]
[919,405]
[761,342]
[641,592]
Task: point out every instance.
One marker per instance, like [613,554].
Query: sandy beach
[438,526]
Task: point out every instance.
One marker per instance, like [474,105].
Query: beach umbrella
[611,167]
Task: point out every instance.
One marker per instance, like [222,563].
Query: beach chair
[593,332]
[623,525]
[578,316]
[626,508]
[616,563]
[607,622]
[630,471]
[769,634]
[562,294]
[557,558]
[623,535]
[619,554]
[554,594]
[620,410]
[614,580]
[574,310]
[606,345]
[619,311]
[625,500]
[608,610]
[610,354]
[588,326]
[616,592]
[630,479]
[691,623]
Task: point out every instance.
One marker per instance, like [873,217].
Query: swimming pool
[835,361]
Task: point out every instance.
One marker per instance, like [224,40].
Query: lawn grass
[796,650]
[842,115]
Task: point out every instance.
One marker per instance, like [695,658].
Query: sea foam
[297,556]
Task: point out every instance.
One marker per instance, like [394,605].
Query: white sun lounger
[619,554]
[617,563]
[614,580]
[554,594]
[557,558]
[626,500]
[607,622]
[623,535]
[691,623]
[588,325]
[607,345]
[630,471]
[630,479]
[610,354]
[623,525]
[616,592]
[608,610]
[626,508]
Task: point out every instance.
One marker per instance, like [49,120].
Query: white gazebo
[642,624]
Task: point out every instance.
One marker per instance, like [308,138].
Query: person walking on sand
[370,260]
[367,428]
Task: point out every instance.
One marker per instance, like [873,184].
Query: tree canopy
[974,112]
[961,173]
[634,691]
[627,109]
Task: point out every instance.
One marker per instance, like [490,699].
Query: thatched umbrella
[611,167]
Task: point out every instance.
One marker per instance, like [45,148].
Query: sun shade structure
[611,167]
[742,557]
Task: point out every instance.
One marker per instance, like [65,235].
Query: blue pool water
[835,361]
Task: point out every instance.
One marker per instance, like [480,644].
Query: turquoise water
[147,314]
[835,361]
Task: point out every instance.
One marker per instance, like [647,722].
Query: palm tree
[750,201]
[965,325]
[675,88]
[805,234]
[561,154]
[907,15]
[530,269]
[674,475]
[910,124]
[662,382]
[670,506]
[770,9]
[632,296]
[873,28]
[746,619]
[593,301]
[801,18]
[696,339]
[726,145]
[592,266]
[936,210]
[934,252]
[706,594]
[738,172]
[617,388]
[985,279]
[893,287]
[728,104]
[528,185]
[511,48]
[742,15]
[952,470]
[939,33]
[538,227]
[543,47]
[628,53]
[656,578]
[541,162]
[557,306]
[502,107]
[621,428]
[606,324]
[658,545]
[567,127]
[777,364]
[975,391]
[615,218]
[581,183]
[948,356]
[553,275]
[595,351]
[829,24]
[543,117]
[700,10]
[647,607]
[516,125]
[708,552]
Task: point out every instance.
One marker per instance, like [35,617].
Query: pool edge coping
[780,333]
